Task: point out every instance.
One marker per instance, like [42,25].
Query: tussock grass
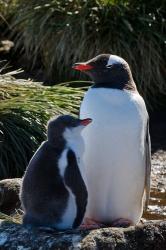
[10,218]
[59,33]
[7,9]
[25,108]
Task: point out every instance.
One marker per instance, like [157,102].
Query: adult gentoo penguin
[117,144]
[53,192]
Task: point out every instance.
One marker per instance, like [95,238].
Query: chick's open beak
[85,122]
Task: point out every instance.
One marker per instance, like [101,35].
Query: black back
[44,196]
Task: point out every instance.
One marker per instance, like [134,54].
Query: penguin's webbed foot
[121,222]
[91,224]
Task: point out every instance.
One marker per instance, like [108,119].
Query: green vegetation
[55,34]
[7,9]
[52,35]
[25,108]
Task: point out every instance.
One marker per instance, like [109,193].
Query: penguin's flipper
[148,165]
[75,182]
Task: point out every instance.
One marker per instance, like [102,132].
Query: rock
[148,236]
[9,195]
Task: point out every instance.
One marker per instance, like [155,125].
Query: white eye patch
[113,59]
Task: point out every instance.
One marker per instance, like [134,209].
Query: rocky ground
[157,205]
[150,236]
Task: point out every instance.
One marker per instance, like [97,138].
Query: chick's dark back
[45,185]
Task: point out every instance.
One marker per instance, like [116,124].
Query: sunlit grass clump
[55,34]
[25,108]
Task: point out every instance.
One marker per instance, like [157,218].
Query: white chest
[117,115]
[114,152]
[76,144]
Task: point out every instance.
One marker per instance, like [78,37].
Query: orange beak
[82,66]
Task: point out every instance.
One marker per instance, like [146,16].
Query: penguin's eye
[103,60]
[109,66]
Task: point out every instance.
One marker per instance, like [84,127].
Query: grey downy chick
[54,192]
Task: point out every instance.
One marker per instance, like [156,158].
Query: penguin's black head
[107,69]
[57,126]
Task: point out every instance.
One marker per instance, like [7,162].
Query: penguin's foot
[121,222]
[91,224]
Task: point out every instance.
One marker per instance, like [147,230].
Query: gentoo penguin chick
[53,192]
[117,144]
